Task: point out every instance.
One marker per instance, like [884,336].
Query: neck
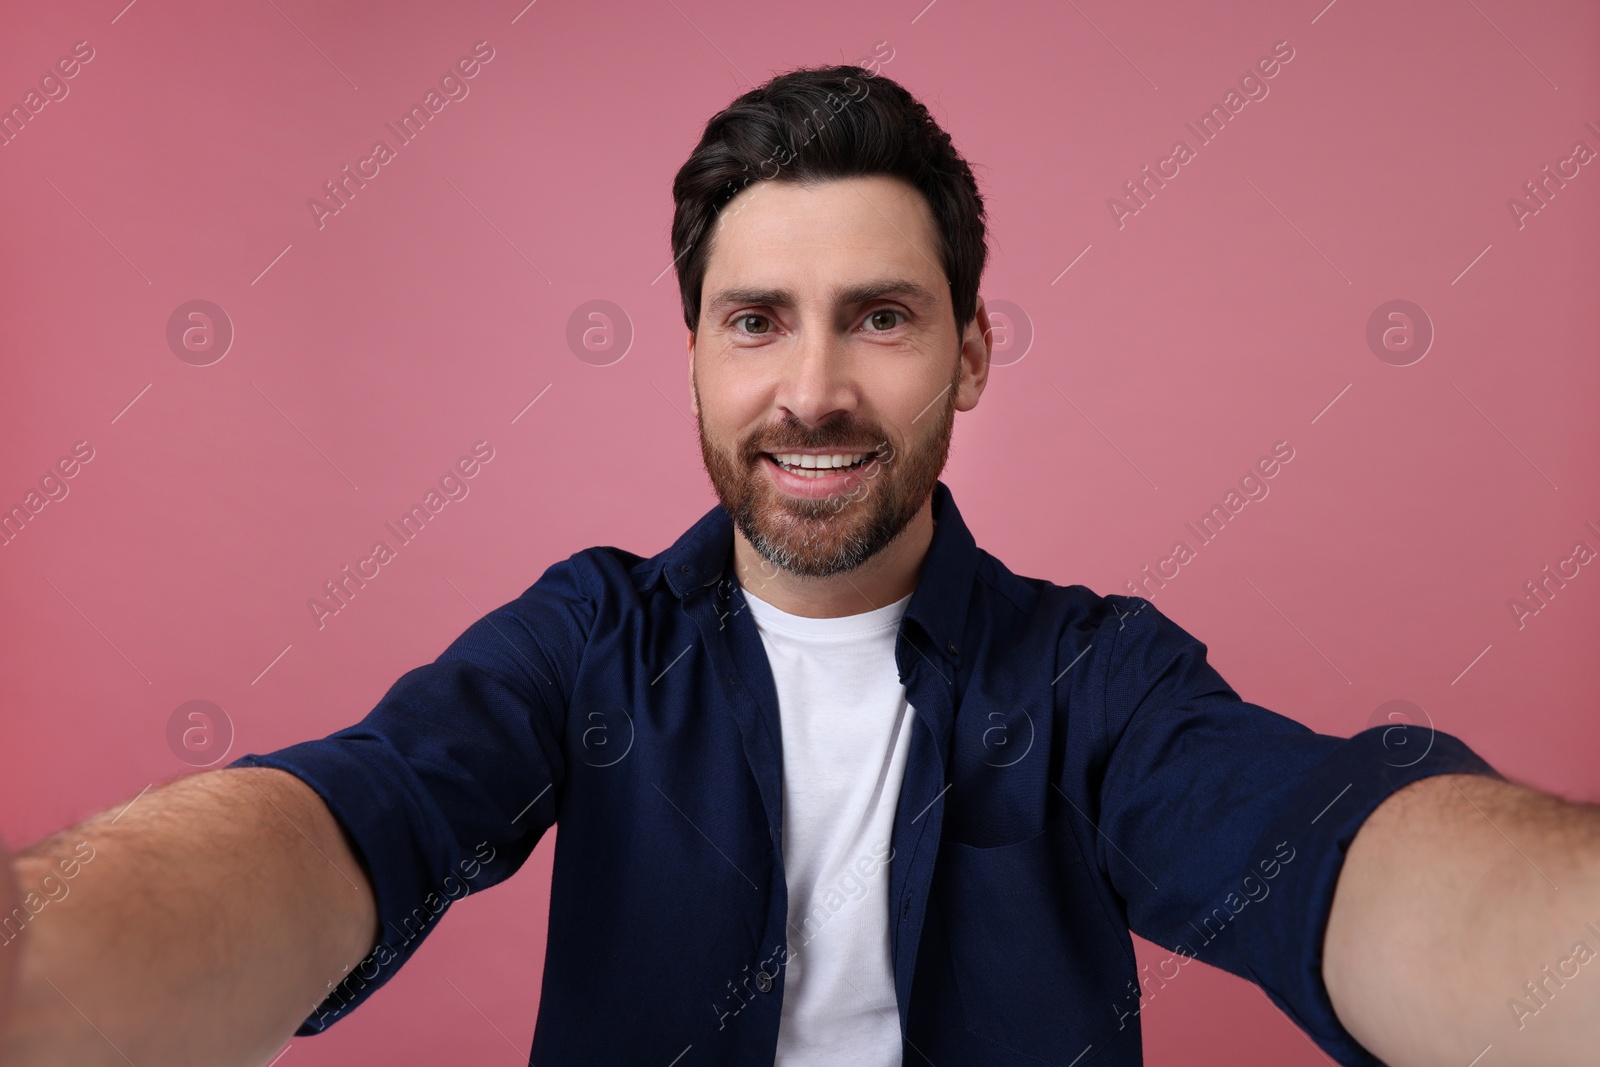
[881,580]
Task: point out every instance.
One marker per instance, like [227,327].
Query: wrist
[40,1029]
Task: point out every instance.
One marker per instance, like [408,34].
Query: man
[834,785]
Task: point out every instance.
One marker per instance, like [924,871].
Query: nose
[817,381]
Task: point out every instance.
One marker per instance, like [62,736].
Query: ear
[694,400]
[977,345]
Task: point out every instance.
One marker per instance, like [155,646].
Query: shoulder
[554,615]
[1074,616]
[590,577]
[543,634]
[1107,654]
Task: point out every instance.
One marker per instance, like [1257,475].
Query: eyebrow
[856,294]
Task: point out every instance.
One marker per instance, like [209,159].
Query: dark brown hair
[818,124]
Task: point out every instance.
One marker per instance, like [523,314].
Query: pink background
[1227,315]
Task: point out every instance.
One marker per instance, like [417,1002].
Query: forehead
[786,233]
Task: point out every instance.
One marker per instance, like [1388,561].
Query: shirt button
[683,570]
[764,981]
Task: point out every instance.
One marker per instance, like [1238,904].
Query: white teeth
[802,461]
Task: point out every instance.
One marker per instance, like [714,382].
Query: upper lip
[820,451]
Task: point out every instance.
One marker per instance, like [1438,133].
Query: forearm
[208,920]
[1462,897]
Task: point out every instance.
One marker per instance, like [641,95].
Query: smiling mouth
[819,466]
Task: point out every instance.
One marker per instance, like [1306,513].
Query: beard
[828,536]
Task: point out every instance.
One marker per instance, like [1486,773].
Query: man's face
[826,328]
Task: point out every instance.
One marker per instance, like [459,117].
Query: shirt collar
[703,556]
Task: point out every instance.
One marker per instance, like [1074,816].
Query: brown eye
[746,319]
[876,317]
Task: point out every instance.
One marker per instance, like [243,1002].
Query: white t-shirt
[846,732]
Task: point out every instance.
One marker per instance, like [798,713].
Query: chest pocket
[1038,963]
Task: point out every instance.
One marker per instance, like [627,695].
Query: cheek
[924,423]
[732,412]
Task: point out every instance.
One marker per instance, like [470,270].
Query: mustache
[754,451]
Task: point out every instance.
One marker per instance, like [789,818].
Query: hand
[9,953]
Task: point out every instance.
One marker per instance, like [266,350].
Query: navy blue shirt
[1077,770]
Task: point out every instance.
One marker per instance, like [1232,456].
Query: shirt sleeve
[1224,825]
[451,780]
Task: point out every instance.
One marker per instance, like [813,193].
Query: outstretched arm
[1467,918]
[200,925]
